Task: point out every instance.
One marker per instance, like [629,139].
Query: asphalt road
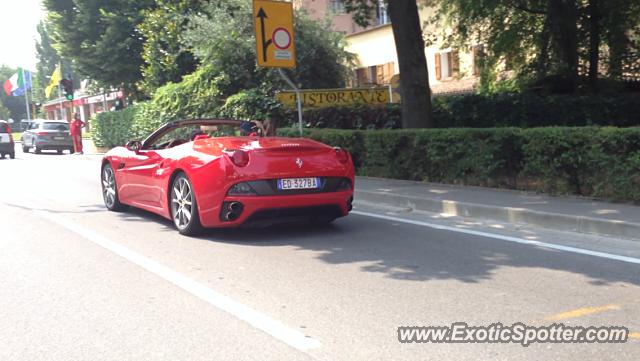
[82,283]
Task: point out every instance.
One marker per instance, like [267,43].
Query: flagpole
[26,96]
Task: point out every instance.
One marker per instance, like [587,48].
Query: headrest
[201,136]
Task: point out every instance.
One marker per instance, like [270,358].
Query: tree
[165,57]
[100,37]
[48,59]
[222,38]
[620,21]
[414,84]
[545,39]
[4,112]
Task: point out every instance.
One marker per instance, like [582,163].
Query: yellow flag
[55,79]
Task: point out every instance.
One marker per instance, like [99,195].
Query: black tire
[12,155]
[183,206]
[37,150]
[110,189]
[2,156]
[60,151]
[70,150]
[25,148]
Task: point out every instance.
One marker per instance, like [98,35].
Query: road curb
[554,221]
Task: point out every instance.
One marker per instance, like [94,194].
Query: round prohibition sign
[281,38]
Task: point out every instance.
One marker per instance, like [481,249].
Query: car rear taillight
[343,155]
[41,133]
[239,157]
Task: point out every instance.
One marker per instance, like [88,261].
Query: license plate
[298,183]
[59,138]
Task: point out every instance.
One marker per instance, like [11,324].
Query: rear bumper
[49,145]
[7,147]
[266,210]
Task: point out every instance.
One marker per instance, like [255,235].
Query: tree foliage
[4,112]
[144,44]
[165,57]
[47,60]
[222,37]
[538,39]
[100,37]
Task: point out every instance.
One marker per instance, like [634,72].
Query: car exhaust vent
[231,211]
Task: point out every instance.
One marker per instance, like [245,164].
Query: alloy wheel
[181,203]
[108,187]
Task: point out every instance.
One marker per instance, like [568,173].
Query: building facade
[334,10]
[85,105]
[450,70]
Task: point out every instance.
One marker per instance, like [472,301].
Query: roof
[48,120]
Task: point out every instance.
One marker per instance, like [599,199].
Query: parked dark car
[47,135]
[6,141]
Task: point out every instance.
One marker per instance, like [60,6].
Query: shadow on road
[411,253]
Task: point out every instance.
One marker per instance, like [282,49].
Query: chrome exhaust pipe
[235,206]
[231,216]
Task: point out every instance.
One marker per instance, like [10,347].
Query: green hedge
[250,105]
[602,162]
[351,117]
[524,110]
[109,129]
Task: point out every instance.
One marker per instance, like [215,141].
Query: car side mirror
[134,145]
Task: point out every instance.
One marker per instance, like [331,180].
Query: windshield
[4,128]
[191,132]
[61,127]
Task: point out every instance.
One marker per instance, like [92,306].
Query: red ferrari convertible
[221,173]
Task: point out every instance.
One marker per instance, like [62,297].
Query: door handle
[120,165]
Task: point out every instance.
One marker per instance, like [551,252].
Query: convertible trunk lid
[285,145]
[278,156]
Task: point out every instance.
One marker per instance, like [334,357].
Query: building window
[447,64]
[381,13]
[337,7]
[375,75]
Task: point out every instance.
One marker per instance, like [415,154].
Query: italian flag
[17,84]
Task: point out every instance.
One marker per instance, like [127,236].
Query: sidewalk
[558,213]
[87,144]
[89,147]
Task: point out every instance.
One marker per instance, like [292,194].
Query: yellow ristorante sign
[332,97]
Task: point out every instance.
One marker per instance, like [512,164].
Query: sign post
[275,45]
[298,98]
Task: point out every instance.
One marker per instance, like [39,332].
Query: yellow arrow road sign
[273,25]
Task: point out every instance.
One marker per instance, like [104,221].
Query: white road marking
[273,327]
[504,238]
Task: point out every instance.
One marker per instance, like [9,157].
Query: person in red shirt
[76,132]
